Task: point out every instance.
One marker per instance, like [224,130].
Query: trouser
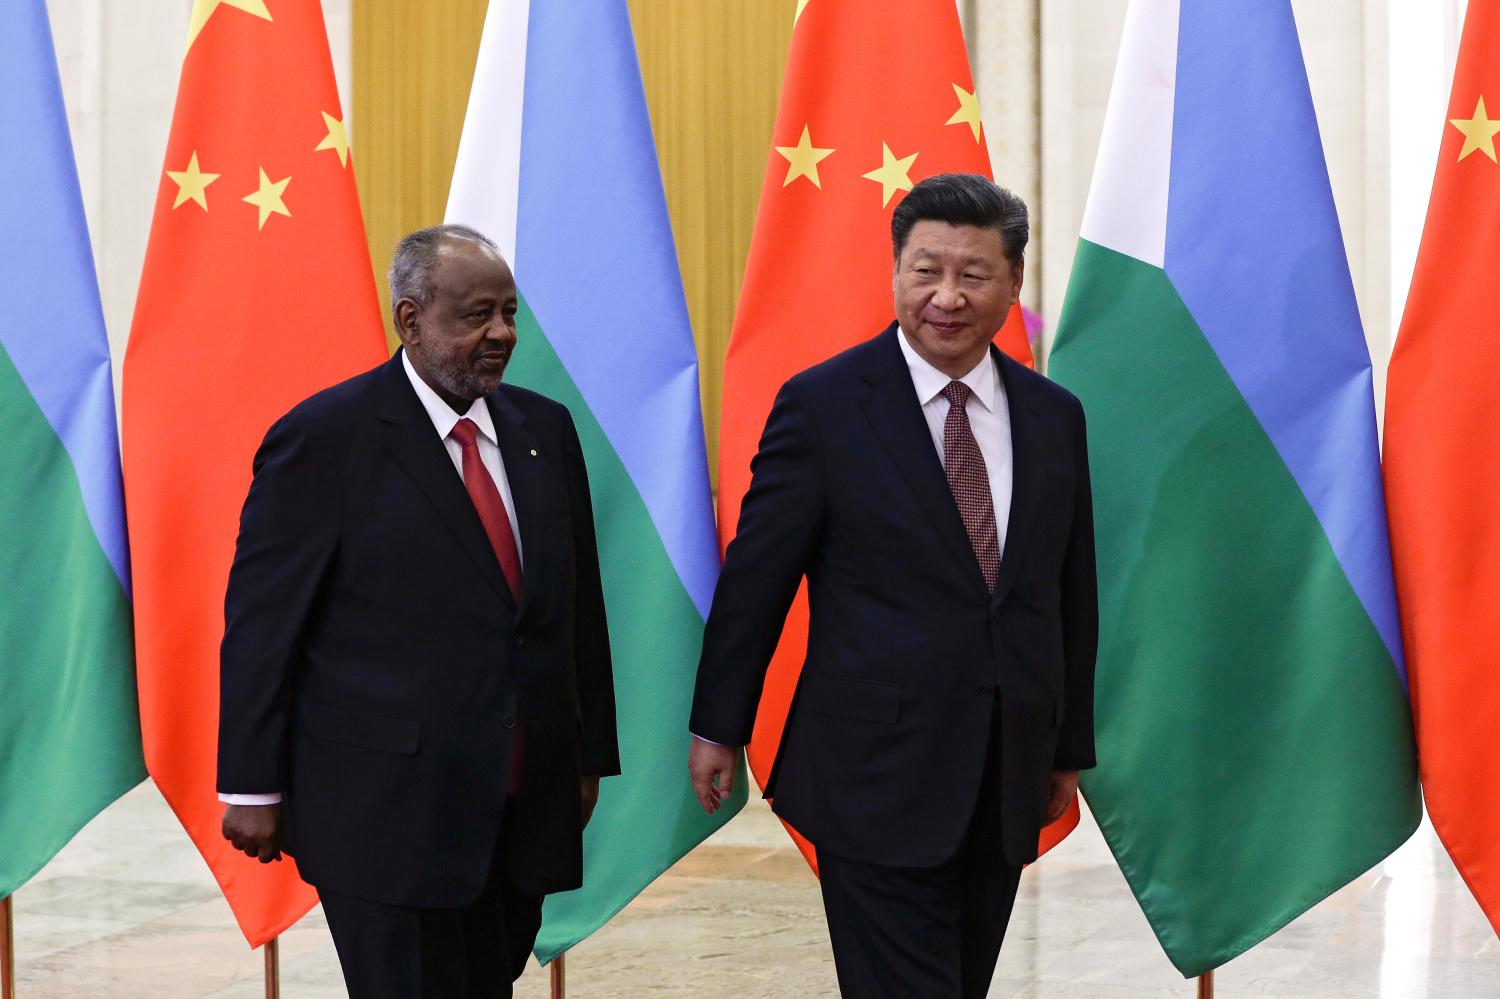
[471,952]
[924,932]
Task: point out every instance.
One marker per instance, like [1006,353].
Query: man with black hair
[935,495]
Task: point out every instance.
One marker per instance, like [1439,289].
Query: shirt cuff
[274,798]
[700,738]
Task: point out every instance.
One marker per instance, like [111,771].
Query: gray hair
[415,256]
[963,199]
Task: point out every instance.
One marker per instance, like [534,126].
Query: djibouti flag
[70,739]
[1254,734]
[558,166]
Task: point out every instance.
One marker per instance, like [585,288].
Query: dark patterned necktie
[963,463]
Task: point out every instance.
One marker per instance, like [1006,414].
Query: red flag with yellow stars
[1442,432]
[877,96]
[256,292]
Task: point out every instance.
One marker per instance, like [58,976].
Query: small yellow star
[337,138]
[893,175]
[205,9]
[192,183]
[801,6]
[968,111]
[268,197]
[803,158]
[1479,131]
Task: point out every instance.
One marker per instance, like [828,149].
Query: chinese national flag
[877,96]
[256,292]
[1442,435]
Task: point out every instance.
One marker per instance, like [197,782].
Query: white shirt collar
[930,382]
[442,415]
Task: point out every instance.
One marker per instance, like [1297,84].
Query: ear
[407,327]
[1017,276]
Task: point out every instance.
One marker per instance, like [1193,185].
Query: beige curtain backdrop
[712,71]
[1004,39]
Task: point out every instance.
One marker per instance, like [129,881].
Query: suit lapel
[890,404]
[1026,472]
[415,445]
[524,470]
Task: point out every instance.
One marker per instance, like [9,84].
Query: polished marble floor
[128,910]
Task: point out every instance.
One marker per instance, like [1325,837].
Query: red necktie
[963,463]
[496,523]
[489,504]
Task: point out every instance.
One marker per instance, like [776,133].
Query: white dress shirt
[989,416]
[443,420]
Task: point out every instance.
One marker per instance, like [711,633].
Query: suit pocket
[389,735]
[867,700]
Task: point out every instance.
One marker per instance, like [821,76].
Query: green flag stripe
[647,818]
[70,740]
[1254,737]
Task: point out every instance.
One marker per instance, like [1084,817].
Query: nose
[949,295]
[501,329]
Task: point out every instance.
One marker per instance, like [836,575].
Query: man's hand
[711,768]
[1060,792]
[589,792]
[255,830]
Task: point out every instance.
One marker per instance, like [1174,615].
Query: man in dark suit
[417,700]
[935,494]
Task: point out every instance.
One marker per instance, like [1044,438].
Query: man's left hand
[589,792]
[1060,793]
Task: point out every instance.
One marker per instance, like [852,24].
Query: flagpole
[272,948]
[559,977]
[1206,985]
[7,950]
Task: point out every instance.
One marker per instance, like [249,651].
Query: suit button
[520,641]
[985,689]
[509,721]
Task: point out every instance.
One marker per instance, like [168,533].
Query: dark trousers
[472,952]
[923,932]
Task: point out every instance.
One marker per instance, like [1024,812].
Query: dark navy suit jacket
[375,664]
[910,658]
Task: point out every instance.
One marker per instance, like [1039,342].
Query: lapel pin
[533,452]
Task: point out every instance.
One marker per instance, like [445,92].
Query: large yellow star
[968,111]
[1479,131]
[204,9]
[337,138]
[893,174]
[268,197]
[803,158]
[192,183]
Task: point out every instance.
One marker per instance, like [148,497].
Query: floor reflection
[129,910]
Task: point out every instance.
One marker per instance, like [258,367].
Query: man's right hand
[707,761]
[255,830]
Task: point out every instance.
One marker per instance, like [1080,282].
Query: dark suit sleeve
[1080,620]
[596,684]
[780,522]
[288,535]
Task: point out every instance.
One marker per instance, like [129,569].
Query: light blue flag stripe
[1255,250]
[47,278]
[595,256]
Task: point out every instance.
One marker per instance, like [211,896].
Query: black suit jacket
[908,651]
[374,663]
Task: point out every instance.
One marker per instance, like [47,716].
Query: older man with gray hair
[417,701]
